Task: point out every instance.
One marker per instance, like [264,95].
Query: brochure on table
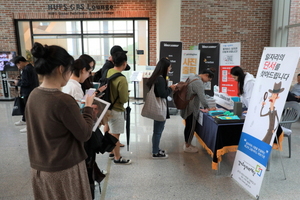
[223,99]
[274,77]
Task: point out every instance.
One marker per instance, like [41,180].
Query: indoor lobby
[180,176]
[140,27]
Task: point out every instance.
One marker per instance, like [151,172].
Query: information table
[219,138]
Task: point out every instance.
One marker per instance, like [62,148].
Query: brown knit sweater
[56,130]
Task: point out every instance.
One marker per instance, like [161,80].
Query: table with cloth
[219,137]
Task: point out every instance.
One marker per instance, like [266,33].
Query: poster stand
[280,156]
[136,77]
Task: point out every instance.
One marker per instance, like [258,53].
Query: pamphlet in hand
[88,92]
[102,107]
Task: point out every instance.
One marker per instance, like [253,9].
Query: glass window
[71,43]
[56,27]
[25,39]
[95,38]
[107,26]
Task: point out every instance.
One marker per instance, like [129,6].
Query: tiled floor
[181,176]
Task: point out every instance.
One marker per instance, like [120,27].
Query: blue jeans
[158,127]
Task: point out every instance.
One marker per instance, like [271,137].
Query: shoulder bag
[155,107]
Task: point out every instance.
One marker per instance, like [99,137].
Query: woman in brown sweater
[57,130]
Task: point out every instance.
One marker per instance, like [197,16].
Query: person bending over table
[191,112]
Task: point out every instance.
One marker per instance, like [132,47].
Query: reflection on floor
[181,176]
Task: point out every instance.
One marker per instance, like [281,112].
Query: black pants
[25,101]
[190,124]
[292,97]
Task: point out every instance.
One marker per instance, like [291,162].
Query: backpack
[180,93]
[106,81]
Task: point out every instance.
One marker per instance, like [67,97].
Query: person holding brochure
[55,138]
[245,84]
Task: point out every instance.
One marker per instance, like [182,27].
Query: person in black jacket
[161,89]
[109,63]
[27,82]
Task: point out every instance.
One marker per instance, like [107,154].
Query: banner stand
[280,155]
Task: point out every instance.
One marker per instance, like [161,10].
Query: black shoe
[111,156]
[122,161]
[160,155]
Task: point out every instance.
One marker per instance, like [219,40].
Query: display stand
[136,77]
[7,90]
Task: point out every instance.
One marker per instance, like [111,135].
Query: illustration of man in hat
[272,113]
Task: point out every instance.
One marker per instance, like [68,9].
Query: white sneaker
[190,149]
[23,130]
[20,123]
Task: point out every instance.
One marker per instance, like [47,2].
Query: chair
[290,114]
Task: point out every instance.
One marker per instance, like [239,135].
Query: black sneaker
[122,161]
[160,155]
[162,151]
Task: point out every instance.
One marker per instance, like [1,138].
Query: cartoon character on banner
[272,113]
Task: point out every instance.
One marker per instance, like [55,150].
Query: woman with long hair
[57,130]
[245,83]
[158,80]
[88,83]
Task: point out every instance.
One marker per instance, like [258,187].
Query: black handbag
[108,143]
[100,143]
[19,106]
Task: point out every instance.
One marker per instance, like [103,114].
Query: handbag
[19,106]
[100,143]
[154,107]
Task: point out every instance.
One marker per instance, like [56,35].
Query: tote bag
[19,106]
[155,107]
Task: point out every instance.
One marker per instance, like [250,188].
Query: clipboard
[103,107]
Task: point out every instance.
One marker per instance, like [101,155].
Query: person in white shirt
[81,72]
[245,84]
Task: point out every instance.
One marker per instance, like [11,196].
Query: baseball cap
[115,49]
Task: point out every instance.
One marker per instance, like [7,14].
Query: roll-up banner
[172,51]
[274,77]
[209,58]
[189,64]
[230,56]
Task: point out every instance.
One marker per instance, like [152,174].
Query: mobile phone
[90,91]
[100,94]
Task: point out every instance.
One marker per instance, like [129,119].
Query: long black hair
[88,59]
[239,72]
[161,69]
[80,64]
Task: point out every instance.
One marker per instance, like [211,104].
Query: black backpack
[106,81]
